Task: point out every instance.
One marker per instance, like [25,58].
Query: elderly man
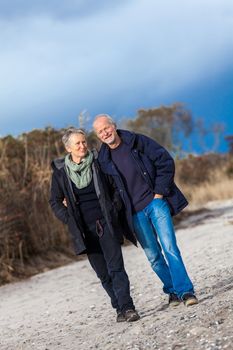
[144,174]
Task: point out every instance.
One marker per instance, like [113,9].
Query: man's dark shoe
[189,299]
[131,315]
[174,300]
[120,317]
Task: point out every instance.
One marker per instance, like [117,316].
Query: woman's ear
[68,149]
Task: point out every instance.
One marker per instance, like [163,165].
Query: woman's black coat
[109,200]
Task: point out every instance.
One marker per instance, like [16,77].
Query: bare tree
[165,124]
[214,130]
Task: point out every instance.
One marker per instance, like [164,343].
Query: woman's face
[77,147]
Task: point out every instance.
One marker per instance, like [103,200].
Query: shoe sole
[191,302]
[175,303]
[120,318]
[133,319]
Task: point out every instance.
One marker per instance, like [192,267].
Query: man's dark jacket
[109,200]
[154,163]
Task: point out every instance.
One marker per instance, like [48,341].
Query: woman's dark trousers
[105,256]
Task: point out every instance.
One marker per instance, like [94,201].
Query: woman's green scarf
[80,174]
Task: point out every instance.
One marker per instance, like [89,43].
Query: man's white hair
[107,116]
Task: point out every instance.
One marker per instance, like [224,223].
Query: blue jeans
[152,223]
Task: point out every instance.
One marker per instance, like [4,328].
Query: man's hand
[64,202]
[158,195]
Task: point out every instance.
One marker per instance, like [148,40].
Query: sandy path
[66,308]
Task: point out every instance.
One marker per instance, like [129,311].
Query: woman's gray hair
[69,132]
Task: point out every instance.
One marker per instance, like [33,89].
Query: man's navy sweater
[136,187]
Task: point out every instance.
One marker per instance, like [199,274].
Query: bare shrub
[195,170]
[205,178]
[28,227]
[31,238]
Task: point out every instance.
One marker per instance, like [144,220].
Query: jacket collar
[58,163]
[126,136]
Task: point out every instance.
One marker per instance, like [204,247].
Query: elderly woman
[90,211]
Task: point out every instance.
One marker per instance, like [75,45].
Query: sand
[66,308]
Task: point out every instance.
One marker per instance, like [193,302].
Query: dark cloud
[58,58]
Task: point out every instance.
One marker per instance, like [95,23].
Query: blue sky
[60,58]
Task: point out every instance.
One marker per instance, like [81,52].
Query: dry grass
[220,187]
[28,228]
[31,238]
[212,191]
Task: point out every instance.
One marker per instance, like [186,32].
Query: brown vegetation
[31,238]
[28,227]
[205,178]
[165,124]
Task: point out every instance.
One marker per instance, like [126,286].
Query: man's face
[105,131]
